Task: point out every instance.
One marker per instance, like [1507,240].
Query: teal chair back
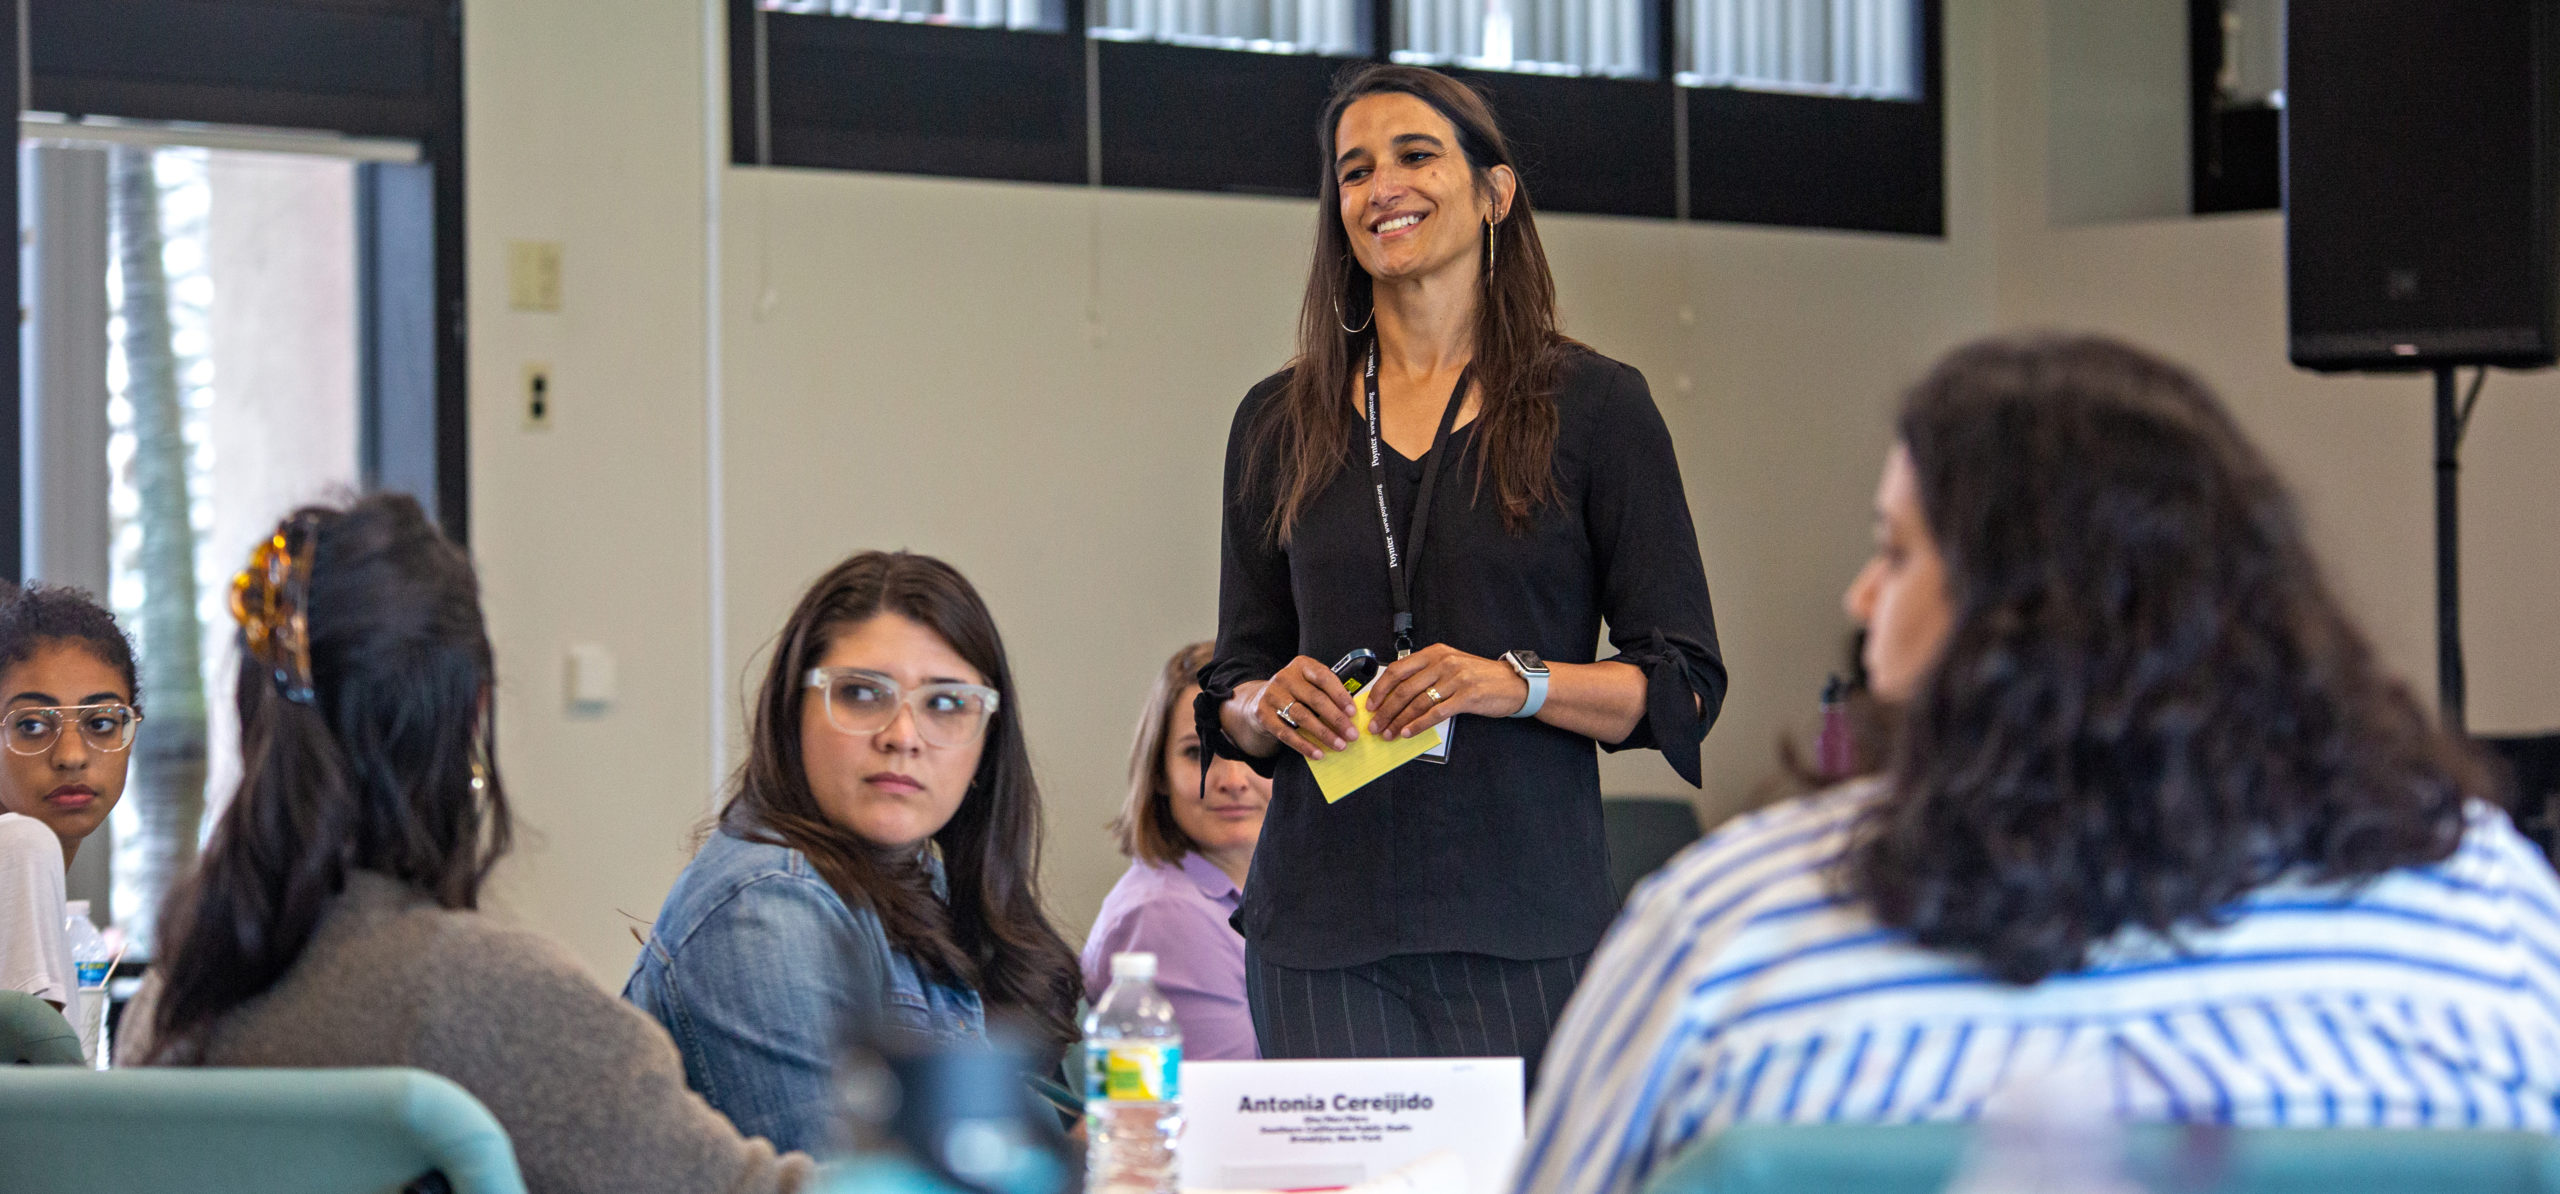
[32,1033]
[214,1131]
[1923,1158]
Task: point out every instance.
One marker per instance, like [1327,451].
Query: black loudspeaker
[2419,176]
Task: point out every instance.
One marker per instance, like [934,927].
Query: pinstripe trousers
[1411,1005]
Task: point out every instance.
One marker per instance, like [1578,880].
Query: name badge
[1294,1125]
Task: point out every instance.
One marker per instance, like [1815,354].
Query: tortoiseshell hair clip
[268,599]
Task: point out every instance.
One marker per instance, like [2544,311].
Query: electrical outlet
[537,397]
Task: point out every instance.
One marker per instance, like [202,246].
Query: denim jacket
[755,966]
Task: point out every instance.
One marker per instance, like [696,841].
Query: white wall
[585,126]
[1035,383]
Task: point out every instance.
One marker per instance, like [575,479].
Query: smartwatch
[1533,670]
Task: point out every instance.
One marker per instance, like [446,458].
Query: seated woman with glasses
[876,862]
[332,919]
[2161,837]
[1188,828]
[66,672]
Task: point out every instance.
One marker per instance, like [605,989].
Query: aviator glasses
[34,729]
[865,702]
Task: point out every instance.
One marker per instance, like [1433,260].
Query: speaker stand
[2449,678]
[2453,417]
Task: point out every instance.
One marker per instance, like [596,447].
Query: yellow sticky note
[1342,772]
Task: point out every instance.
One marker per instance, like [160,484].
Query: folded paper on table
[1342,772]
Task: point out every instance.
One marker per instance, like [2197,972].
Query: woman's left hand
[1437,683]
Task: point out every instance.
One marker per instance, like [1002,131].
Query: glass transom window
[1334,27]
[1855,49]
[1033,15]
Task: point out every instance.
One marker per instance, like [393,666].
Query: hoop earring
[1347,329]
[1489,224]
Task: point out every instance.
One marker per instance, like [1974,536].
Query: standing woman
[1443,478]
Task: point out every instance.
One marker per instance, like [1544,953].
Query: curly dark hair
[36,615]
[2148,702]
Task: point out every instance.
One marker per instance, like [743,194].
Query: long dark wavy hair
[1518,351]
[2148,703]
[992,934]
[375,773]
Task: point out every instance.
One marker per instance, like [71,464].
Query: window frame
[883,64]
[359,68]
[2236,155]
[1698,153]
[13,473]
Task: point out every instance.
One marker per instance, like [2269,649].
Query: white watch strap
[1537,682]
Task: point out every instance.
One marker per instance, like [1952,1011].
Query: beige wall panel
[585,128]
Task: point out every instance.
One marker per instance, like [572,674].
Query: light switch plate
[533,275]
[589,680]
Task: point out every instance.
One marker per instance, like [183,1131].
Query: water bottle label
[1133,1072]
[92,974]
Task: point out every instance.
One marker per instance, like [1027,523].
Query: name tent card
[1295,1125]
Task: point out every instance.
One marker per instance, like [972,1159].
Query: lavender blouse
[1179,914]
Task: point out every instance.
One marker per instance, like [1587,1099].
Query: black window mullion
[13,543]
[748,93]
[1666,41]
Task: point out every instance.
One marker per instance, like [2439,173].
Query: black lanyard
[1399,577]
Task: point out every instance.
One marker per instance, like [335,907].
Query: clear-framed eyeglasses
[865,702]
[34,729]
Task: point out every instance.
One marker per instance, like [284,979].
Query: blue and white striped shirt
[1740,985]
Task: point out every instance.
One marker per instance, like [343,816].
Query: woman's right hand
[1259,716]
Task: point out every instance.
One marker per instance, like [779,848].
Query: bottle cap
[1137,965]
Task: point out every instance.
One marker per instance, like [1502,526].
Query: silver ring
[1284,715]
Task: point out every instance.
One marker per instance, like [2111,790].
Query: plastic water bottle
[90,960]
[1132,1084]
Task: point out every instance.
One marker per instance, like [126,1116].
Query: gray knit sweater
[589,1089]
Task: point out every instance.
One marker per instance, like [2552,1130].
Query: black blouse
[1499,851]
